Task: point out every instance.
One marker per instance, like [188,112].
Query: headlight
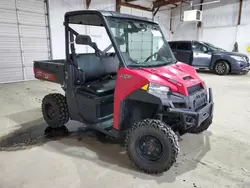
[157,90]
[238,58]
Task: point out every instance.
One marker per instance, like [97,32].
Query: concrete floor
[217,158]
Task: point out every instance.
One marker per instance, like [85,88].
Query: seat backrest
[95,67]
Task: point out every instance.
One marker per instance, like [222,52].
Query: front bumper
[246,69]
[240,67]
[195,118]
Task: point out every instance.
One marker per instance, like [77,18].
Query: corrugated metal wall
[24,37]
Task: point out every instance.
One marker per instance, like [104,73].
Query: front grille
[194,88]
[179,105]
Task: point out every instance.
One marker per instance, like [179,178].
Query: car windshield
[211,46]
[141,43]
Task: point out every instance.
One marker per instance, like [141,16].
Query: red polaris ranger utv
[127,85]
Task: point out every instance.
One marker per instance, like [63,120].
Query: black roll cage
[69,32]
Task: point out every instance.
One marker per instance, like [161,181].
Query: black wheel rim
[220,68]
[50,111]
[149,148]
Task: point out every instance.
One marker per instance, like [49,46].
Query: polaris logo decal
[126,76]
[43,75]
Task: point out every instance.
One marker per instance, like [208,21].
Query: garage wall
[219,25]
[163,19]
[103,5]
[57,10]
[182,30]
[243,30]
[99,34]
[136,12]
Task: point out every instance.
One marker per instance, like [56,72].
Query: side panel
[127,81]
[44,75]
[70,92]
[201,59]
[183,56]
[220,56]
[183,52]
[137,106]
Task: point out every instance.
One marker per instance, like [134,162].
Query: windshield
[141,43]
[211,46]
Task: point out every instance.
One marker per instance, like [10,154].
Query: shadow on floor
[24,117]
[208,72]
[73,140]
[204,71]
[37,132]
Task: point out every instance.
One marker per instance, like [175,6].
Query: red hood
[178,76]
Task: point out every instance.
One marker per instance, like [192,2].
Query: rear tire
[55,110]
[158,153]
[203,127]
[221,68]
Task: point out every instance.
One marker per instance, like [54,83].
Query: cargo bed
[50,70]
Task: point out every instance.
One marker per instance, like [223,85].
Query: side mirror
[86,40]
[83,39]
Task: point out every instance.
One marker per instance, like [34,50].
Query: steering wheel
[156,55]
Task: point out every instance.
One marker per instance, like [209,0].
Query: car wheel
[221,68]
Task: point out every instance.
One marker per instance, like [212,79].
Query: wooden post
[118,6]
[240,12]
[88,3]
